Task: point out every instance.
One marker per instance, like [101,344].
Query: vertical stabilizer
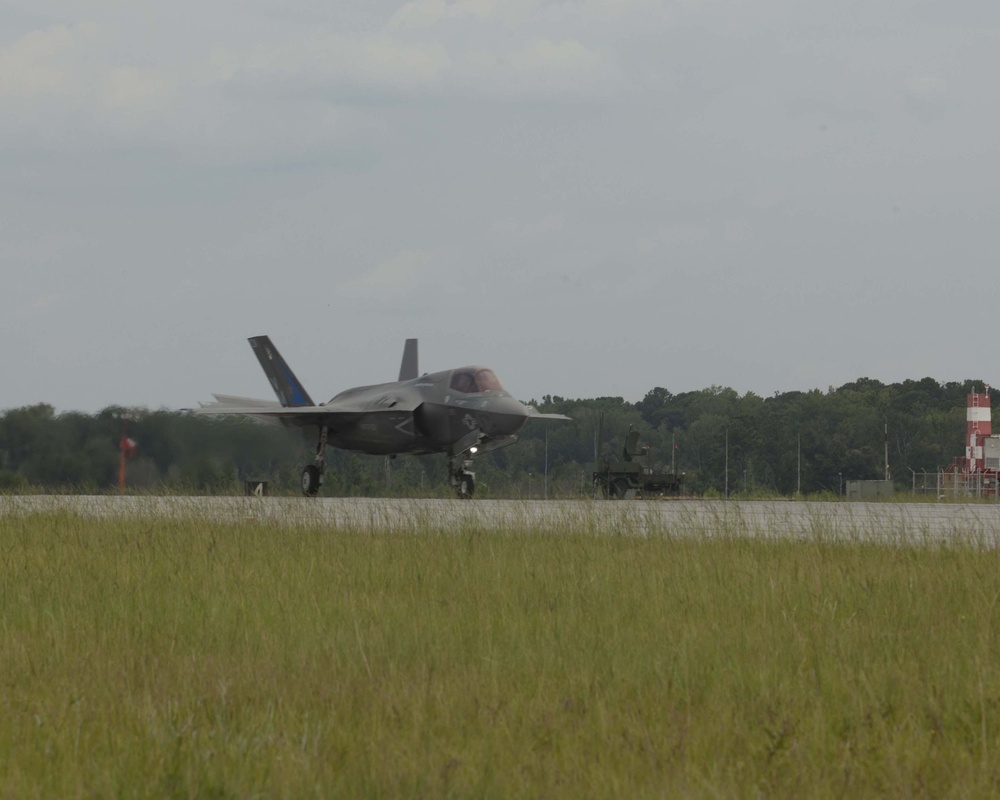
[408,370]
[290,392]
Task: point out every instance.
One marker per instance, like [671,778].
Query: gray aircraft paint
[457,412]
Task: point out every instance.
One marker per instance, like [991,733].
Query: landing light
[473,450]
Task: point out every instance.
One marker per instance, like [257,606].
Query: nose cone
[511,406]
[504,416]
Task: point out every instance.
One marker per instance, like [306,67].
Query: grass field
[192,659]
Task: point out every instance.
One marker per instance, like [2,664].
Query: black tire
[619,489]
[310,480]
[466,486]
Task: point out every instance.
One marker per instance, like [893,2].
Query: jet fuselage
[437,413]
[458,412]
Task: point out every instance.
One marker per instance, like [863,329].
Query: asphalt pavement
[916,523]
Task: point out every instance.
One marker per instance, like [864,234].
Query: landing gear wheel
[310,480]
[463,479]
[466,485]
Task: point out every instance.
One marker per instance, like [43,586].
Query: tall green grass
[146,658]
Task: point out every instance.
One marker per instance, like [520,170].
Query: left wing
[335,414]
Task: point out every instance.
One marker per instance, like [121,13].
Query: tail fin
[408,369]
[290,392]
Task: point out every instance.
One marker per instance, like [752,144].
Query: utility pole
[886,441]
[727,463]
[545,491]
[798,468]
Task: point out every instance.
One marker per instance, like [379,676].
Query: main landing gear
[463,479]
[312,475]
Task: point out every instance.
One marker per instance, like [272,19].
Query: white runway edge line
[909,523]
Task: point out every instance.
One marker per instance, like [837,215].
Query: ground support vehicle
[632,477]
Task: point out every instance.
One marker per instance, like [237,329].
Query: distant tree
[824,436]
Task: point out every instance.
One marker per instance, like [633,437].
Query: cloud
[563,66]
[127,88]
[272,89]
[63,83]
[923,86]
[43,63]
[374,63]
[395,277]
[486,155]
[395,67]
[427,13]
[670,237]
[550,223]
[926,96]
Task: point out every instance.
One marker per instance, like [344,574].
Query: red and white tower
[978,426]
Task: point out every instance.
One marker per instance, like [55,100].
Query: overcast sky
[593,197]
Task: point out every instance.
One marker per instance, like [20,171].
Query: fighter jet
[459,412]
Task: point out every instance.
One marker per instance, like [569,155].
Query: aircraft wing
[534,413]
[261,410]
[333,414]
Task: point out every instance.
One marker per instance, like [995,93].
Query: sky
[594,198]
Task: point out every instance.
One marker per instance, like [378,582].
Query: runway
[916,523]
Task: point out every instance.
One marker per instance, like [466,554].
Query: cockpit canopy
[471,380]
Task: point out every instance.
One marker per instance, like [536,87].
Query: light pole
[545,491]
[798,467]
[727,463]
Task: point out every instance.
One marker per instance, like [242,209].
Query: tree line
[793,441]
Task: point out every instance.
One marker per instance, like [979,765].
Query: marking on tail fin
[286,386]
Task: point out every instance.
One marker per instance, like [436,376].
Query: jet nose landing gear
[462,479]
[310,480]
[466,484]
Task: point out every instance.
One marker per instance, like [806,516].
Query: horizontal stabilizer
[534,413]
[256,408]
[237,401]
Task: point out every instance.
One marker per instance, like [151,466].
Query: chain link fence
[943,484]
